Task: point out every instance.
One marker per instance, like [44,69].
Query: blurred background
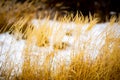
[103,8]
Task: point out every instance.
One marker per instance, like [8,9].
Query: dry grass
[106,66]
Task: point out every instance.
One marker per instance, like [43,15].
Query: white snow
[96,36]
[10,45]
[11,52]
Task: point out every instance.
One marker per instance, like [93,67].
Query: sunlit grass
[43,64]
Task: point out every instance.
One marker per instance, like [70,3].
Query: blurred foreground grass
[106,66]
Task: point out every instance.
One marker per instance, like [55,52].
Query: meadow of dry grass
[43,44]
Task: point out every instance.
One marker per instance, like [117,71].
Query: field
[65,48]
